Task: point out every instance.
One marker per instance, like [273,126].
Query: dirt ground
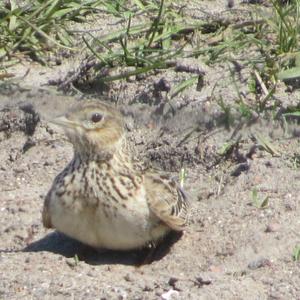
[232,249]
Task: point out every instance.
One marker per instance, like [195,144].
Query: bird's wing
[167,201]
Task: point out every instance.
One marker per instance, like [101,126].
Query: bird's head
[93,127]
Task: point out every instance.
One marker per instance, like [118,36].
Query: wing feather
[167,201]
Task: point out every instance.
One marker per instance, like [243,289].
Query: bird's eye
[96,117]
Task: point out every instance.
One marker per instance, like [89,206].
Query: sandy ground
[231,249]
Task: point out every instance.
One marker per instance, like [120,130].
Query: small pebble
[272,227]
[290,206]
[230,3]
[147,288]
[90,274]
[128,278]
[162,85]
[71,262]
[259,263]
[171,294]
[172,281]
[200,281]
[216,269]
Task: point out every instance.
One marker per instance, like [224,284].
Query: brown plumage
[101,198]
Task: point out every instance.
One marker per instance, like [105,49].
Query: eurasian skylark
[101,198]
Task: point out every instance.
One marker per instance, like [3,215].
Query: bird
[102,198]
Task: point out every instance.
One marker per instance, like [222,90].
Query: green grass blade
[182,86]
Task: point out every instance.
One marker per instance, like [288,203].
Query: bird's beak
[63,122]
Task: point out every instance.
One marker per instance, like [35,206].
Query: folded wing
[167,201]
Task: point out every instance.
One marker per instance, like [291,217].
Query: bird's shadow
[59,243]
